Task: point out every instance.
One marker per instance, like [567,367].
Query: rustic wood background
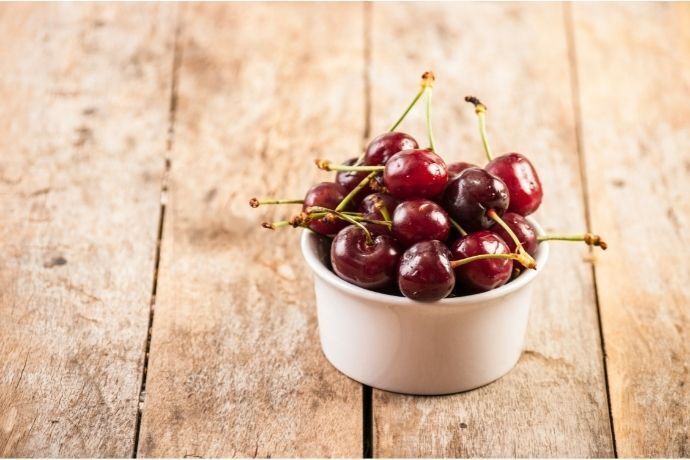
[143,312]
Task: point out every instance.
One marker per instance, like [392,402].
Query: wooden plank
[634,77]
[83,124]
[235,364]
[515,58]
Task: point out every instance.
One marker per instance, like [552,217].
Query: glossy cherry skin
[370,211]
[371,266]
[351,179]
[470,195]
[525,232]
[419,220]
[415,174]
[425,273]
[521,179]
[384,146]
[454,169]
[326,195]
[481,275]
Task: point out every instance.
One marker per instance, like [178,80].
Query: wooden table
[144,312]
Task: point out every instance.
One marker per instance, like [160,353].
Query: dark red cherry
[470,195]
[481,275]
[425,273]
[521,179]
[326,195]
[415,174]
[351,179]
[384,146]
[525,232]
[370,211]
[454,169]
[419,220]
[371,265]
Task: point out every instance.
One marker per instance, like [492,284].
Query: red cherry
[481,275]
[326,195]
[470,195]
[420,220]
[384,146]
[425,273]
[525,232]
[368,264]
[521,179]
[415,174]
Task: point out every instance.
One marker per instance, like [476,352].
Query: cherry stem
[467,260]
[427,80]
[457,226]
[363,183]
[528,261]
[381,206]
[347,218]
[255,202]
[407,110]
[480,109]
[429,131]
[590,239]
[276,225]
[327,165]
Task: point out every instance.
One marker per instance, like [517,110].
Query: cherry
[384,146]
[370,206]
[454,169]
[326,195]
[425,273]
[524,186]
[521,179]
[420,220]
[415,174]
[363,260]
[486,274]
[525,232]
[469,196]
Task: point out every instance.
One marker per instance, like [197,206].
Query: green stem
[525,259]
[467,260]
[457,226]
[275,225]
[407,110]
[347,218]
[328,166]
[363,183]
[428,118]
[255,202]
[480,109]
[381,206]
[589,238]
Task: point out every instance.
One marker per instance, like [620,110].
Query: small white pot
[396,344]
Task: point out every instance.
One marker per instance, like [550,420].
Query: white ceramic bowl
[396,344]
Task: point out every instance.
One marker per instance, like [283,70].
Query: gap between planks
[577,116]
[176,61]
[367,392]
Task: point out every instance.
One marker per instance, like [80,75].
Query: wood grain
[235,365]
[514,58]
[633,66]
[83,123]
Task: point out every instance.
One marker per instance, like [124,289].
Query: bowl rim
[327,275]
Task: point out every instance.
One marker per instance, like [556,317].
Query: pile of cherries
[401,220]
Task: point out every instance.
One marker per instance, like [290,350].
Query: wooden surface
[126,127]
[83,124]
[554,402]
